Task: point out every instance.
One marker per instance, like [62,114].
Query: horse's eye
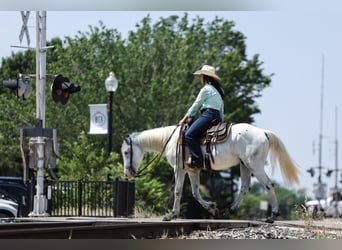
[126,153]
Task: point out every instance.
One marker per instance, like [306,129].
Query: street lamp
[111,84]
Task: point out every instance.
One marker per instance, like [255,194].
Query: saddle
[217,133]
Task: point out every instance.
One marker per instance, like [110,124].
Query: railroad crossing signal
[20,86]
[24,16]
[61,89]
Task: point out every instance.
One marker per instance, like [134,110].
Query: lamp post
[111,84]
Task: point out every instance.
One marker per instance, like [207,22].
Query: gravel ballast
[265,232]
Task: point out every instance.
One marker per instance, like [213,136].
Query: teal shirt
[208,97]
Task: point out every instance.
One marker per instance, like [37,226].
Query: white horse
[246,145]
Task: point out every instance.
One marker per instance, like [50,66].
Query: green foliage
[154,187]
[81,161]
[154,67]
[14,114]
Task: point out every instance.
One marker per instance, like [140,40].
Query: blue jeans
[194,133]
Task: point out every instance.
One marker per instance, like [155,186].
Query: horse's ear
[126,140]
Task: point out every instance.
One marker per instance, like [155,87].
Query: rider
[210,103]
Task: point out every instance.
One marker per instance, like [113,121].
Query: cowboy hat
[207,70]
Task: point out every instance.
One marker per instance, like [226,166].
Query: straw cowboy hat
[207,70]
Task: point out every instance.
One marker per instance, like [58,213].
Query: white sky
[290,42]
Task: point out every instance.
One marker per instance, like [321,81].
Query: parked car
[14,190]
[327,206]
[318,204]
[8,208]
[334,209]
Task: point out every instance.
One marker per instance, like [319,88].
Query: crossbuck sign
[24,16]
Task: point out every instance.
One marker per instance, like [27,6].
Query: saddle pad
[217,134]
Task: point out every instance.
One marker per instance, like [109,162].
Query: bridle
[129,142]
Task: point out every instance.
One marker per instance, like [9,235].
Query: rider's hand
[181,122]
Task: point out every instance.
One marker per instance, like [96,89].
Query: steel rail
[93,229]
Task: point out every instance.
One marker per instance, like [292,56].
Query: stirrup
[188,163]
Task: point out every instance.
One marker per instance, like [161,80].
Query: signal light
[61,89]
[20,87]
[311,171]
[329,172]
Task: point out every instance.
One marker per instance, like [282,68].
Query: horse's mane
[154,139]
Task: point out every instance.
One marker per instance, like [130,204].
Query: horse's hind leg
[179,182]
[245,174]
[195,182]
[267,183]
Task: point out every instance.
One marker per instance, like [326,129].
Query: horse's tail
[278,153]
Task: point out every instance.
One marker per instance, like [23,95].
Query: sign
[320,190]
[24,30]
[98,119]
[263,205]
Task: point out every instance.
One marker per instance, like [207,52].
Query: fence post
[124,198]
[114,184]
[116,203]
[79,194]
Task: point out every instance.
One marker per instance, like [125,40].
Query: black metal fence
[91,198]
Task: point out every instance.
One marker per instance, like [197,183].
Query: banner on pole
[98,119]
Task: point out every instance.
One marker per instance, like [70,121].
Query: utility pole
[320,188]
[38,143]
[336,151]
[321,128]
[336,191]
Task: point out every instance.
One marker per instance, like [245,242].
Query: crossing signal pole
[320,188]
[42,148]
[38,143]
[40,66]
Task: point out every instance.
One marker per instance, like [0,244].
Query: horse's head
[132,157]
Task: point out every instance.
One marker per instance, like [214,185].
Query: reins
[141,170]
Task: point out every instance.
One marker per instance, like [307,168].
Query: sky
[301,46]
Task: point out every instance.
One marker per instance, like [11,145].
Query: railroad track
[122,228]
[108,228]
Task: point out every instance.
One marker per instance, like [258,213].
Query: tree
[154,66]
[14,113]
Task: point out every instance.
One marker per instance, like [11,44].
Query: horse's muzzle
[130,173]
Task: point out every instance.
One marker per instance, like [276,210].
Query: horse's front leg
[245,174]
[195,182]
[179,182]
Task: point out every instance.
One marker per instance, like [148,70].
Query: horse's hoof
[166,218]
[271,218]
[170,216]
[212,205]
[267,220]
[212,209]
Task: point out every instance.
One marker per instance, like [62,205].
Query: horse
[247,146]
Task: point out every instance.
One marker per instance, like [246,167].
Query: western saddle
[217,133]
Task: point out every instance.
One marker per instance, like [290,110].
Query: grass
[309,218]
